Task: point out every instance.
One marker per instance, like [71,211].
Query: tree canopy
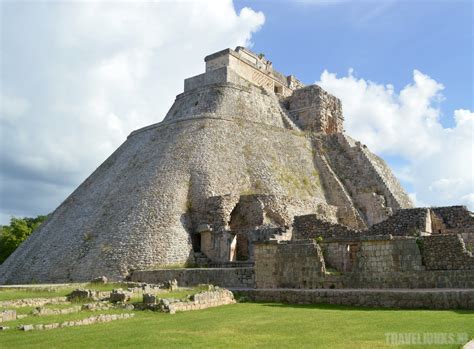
[11,236]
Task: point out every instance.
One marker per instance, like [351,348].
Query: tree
[11,236]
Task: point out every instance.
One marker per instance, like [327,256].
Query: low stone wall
[31,302]
[387,262]
[88,321]
[225,277]
[41,311]
[372,254]
[426,298]
[406,279]
[204,300]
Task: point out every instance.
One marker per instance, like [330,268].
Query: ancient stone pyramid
[240,134]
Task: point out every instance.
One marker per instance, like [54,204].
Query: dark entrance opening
[196,241]
[242,248]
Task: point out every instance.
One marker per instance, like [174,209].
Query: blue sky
[382,41]
[77,77]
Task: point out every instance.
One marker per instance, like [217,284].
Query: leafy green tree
[11,236]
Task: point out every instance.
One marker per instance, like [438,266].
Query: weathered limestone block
[27,328]
[7,315]
[173,285]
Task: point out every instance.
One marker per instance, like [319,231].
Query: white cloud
[89,73]
[406,124]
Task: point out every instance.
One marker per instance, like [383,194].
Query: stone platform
[224,277]
[383,298]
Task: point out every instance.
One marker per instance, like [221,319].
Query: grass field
[246,325]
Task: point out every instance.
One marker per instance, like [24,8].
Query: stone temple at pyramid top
[233,65]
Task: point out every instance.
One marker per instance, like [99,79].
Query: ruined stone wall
[406,222]
[288,265]
[311,226]
[224,277]
[454,220]
[385,255]
[203,300]
[383,262]
[446,252]
[313,109]
[371,255]
[250,217]
[457,219]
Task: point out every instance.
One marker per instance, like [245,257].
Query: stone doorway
[352,250]
[242,247]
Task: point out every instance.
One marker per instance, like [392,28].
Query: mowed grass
[50,292]
[13,293]
[250,325]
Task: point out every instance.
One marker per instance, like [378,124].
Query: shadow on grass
[324,306]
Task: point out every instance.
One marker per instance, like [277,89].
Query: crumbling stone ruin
[113,305]
[251,177]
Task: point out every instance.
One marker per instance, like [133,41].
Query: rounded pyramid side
[133,211]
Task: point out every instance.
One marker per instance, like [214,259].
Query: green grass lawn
[41,292]
[248,325]
[13,293]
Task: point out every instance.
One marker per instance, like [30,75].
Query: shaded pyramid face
[241,134]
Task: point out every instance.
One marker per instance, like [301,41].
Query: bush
[11,236]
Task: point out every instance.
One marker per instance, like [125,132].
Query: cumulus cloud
[406,124]
[78,77]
